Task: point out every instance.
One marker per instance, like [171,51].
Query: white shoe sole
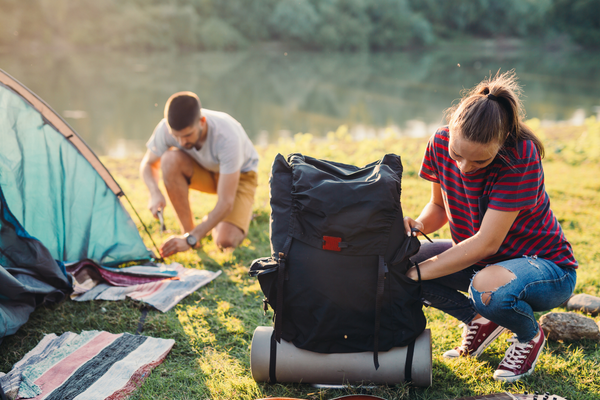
[493,336]
[514,378]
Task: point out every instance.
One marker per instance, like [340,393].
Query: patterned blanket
[162,290]
[92,365]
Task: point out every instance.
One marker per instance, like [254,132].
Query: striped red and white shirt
[513,181]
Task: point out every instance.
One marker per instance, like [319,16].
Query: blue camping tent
[56,190]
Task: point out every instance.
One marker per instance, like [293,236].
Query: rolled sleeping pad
[287,363]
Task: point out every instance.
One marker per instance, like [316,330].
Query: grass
[213,327]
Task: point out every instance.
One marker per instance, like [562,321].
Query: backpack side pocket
[266,269]
[409,248]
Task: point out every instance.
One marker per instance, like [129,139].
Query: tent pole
[145,228]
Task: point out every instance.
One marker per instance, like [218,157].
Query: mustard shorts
[206,181]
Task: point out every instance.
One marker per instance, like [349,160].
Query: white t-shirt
[227,149]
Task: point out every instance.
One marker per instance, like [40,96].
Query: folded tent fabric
[29,276]
[119,276]
[160,270]
[162,295]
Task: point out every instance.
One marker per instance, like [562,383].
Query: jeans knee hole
[486,297]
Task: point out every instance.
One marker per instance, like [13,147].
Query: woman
[508,250]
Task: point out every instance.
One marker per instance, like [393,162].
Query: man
[207,151]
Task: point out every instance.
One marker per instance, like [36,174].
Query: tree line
[326,25]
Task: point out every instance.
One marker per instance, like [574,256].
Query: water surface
[114,100]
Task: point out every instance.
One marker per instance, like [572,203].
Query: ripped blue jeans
[539,285]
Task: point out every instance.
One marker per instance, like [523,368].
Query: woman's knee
[490,279]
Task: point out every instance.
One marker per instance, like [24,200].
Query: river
[114,100]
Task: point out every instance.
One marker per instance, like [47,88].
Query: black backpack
[336,278]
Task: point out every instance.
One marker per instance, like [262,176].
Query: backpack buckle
[332,243]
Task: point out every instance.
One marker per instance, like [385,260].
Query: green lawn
[213,327]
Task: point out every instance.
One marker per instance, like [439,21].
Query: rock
[569,326]
[584,302]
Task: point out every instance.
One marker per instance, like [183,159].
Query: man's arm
[226,190]
[150,173]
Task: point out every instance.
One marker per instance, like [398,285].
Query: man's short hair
[182,110]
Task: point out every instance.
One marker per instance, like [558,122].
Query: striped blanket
[92,365]
[163,294]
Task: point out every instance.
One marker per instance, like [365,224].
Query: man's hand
[157,202]
[150,173]
[173,245]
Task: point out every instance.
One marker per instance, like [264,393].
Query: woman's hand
[410,223]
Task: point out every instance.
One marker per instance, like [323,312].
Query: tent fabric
[62,127]
[29,276]
[55,192]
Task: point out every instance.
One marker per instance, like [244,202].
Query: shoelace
[469,332]
[516,353]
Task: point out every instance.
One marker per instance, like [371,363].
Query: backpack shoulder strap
[281,277]
[381,273]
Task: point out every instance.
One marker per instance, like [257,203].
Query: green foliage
[346,25]
[295,20]
[395,26]
[159,27]
[484,17]
[248,16]
[580,18]
[217,34]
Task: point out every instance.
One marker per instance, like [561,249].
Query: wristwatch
[191,240]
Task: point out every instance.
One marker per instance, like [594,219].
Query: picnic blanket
[161,286]
[91,365]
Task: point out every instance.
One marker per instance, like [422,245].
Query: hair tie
[492,97]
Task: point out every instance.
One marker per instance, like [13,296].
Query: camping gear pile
[336,278]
